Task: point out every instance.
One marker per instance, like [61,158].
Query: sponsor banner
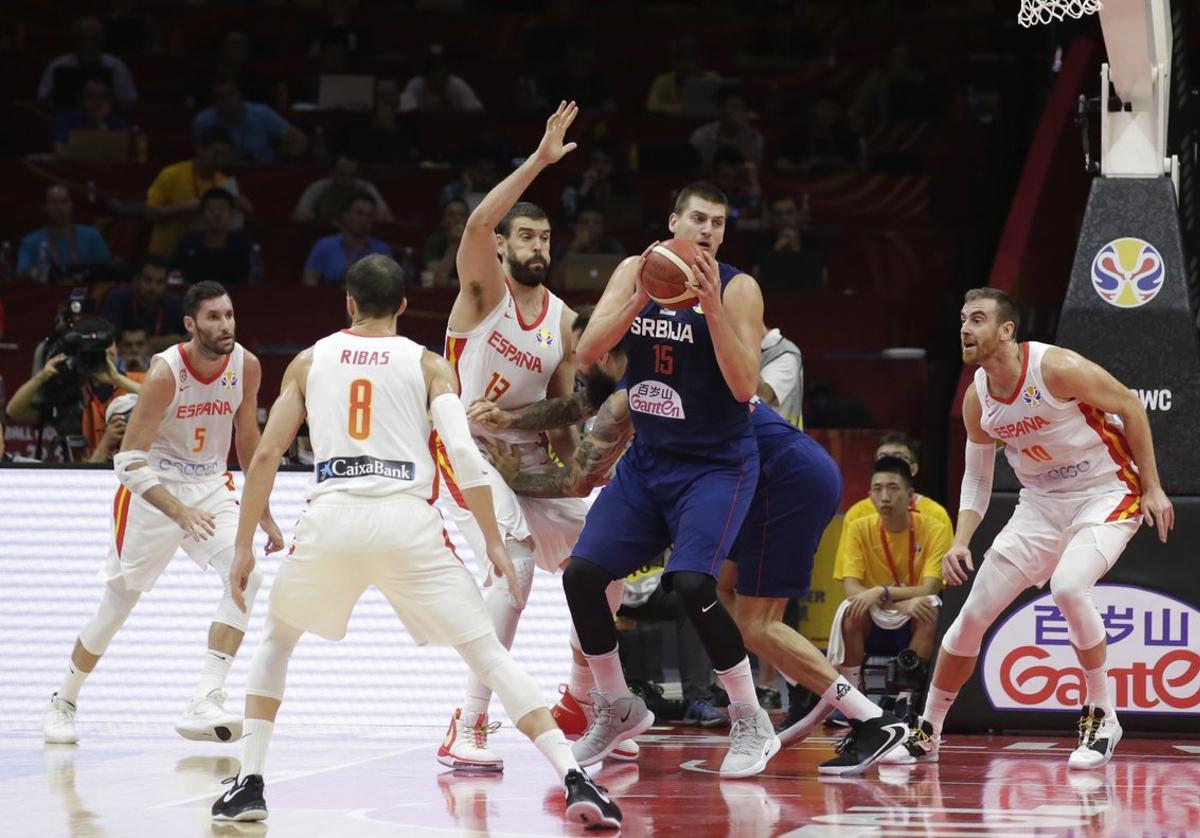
[1029,664]
[656,399]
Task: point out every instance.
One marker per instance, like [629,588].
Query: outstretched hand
[552,149]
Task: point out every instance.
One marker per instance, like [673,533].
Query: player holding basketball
[509,340]
[369,396]
[1080,443]
[176,492]
[799,488]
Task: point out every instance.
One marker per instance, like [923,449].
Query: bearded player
[1079,441]
[175,492]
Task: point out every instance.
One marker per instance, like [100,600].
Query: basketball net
[1038,12]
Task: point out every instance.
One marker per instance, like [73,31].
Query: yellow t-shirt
[864,509]
[867,560]
[176,184]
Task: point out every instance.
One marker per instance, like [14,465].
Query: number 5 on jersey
[360,409]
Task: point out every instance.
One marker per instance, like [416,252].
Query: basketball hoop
[1038,12]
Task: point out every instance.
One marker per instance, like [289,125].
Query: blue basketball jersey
[678,398]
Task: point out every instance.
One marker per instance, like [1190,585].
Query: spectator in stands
[822,141]
[441,246]
[588,239]
[478,176]
[64,75]
[738,179]
[46,252]
[133,351]
[384,137]
[234,59]
[36,401]
[173,200]
[881,96]
[331,255]
[324,200]
[732,130]
[666,94]
[781,376]
[94,113]
[214,252]
[333,59]
[600,181]
[784,230]
[892,572]
[146,304]
[436,89]
[259,134]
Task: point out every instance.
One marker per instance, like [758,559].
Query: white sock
[849,699]
[1097,689]
[580,681]
[477,699]
[214,673]
[256,736]
[610,680]
[937,705]
[738,681]
[72,683]
[853,674]
[554,745]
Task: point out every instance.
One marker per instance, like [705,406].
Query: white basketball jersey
[508,360]
[368,417]
[1055,446]
[193,438]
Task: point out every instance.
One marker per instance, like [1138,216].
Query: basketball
[668,275]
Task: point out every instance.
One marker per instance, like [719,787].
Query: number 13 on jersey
[360,409]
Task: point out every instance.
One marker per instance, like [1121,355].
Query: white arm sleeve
[450,421]
[977,477]
[137,480]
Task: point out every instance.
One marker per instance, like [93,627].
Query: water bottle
[257,268]
[408,265]
[43,262]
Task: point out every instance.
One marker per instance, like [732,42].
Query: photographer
[74,387]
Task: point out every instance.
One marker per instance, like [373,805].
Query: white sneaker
[1098,737]
[922,745]
[58,723]
[206,720]
[613,724]
[752,741]
[465,747]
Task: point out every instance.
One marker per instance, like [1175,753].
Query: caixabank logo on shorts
[1128,272]
[1153,662]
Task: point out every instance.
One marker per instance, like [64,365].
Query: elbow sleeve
[977,477]
[450,422]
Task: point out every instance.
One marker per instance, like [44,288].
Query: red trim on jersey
[357,335]
[545,308]
[443,463]
[1020,382]
[433,456]
[1118,448]
[454,352]
[121,516]
[187,363]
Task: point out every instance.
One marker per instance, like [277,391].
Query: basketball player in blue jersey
[799,488]
[686,481]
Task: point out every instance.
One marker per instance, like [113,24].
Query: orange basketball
[668,275]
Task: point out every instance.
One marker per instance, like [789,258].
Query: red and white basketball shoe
[573,717]
[465,746]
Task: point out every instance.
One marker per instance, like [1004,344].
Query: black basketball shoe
[243,802]
[865,744]
[588,804]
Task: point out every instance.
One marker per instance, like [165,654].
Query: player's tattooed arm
[544,415]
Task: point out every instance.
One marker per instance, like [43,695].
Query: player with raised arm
[175,492]
[1079,441]
[509,341]
[372,399]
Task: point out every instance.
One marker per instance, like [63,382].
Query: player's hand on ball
[239,574]
[552,149]
[956,563]
[486,414]
[502,563]
[708,281]
[195,522]
[1158,512]
[274,534]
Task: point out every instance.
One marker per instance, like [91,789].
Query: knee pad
[696,591]
[116,603]
[495,667]
[1085,628]
[996,585]
[268,669]
[584,578]
[227,611]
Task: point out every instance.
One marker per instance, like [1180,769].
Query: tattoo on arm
[595,456]
[549,414]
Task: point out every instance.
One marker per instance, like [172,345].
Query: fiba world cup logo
[1128,272]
